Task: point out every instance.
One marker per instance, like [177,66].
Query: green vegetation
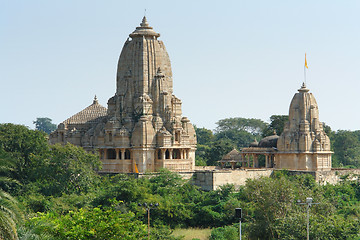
[44,124]
[54,192]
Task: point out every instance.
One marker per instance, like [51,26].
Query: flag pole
[305,67]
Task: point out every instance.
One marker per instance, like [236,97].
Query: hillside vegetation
[54,192]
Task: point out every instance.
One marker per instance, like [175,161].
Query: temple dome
[92,114]
[304,126]
[254,144]
[269,142]
[304,110]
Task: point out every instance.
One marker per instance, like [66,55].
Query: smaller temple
[303,145]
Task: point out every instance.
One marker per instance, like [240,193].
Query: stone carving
[143,127]
[303,145]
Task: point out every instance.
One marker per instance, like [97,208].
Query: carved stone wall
[143,129]
[303,145]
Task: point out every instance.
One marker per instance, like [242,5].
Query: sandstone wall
[212,180]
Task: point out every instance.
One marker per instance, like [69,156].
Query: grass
[191,233]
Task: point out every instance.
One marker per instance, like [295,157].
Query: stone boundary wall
[334,176]
[209,180]
[212,180]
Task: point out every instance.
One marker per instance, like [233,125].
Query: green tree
[277,123]
[204,136]
[10,214]
[66,169]
[237,139]
[7,169]
[240,131]
[96,223]
[230,133]
[330,133]
[271,205]
[251,125]
[347,149]
[217,150]
[22,144]
[44,124]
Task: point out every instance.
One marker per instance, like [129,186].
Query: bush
[225,233]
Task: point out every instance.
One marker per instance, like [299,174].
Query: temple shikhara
[303,145]
[142,129]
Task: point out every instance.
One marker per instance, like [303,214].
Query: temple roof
[232,155]
[269,142]
[92,113]
[144,30]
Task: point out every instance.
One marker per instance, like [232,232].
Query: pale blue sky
[229,58]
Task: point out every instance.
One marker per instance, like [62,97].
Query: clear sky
[229,58]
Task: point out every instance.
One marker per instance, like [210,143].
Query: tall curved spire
[304,126]
[303,145]
[144,71]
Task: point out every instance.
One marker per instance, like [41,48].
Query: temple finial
[303,88]
[144,22]
[95,100]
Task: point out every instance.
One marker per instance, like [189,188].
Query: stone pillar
[274,164]
[266,161]
[117,153]
[232,165]
[170,153]
[163,153]
[248,160]
[122,153]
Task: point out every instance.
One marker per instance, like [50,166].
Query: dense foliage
[54,192]
[230,133]
[44,124]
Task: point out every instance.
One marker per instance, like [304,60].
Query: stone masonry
[143,129]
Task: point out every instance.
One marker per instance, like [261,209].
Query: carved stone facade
[303,145]
[143,128]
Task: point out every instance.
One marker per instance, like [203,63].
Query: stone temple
[143,129]
[303,145]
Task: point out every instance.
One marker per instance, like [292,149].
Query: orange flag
[306,62]
[136,169]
